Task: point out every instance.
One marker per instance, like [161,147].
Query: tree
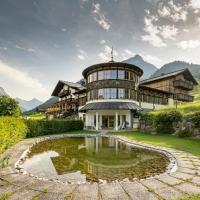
[9,107]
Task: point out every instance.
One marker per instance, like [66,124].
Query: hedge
[48,127]
[12,130]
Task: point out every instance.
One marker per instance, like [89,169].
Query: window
[127,75]
[121,74]
[92,77]
[113,93]
[113,74]
[127,93]
[100,94]
[131,76]
[121,93]
[100,75]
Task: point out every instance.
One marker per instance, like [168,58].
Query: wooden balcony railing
[64,93]
[184,97]
[183,84]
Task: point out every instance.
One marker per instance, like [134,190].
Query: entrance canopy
[110,106]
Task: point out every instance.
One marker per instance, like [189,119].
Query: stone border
[171,185]
[172,167]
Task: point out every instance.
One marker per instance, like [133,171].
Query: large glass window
[100,75]
[92,77]
[121,74]
[121,93]
[113,94]
[113,74]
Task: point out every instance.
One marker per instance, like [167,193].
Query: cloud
[173,11]
[31,50]
[23,81]
[168,32]
[129,52]
[102,42]
[99,17]
[189,44]
[3,48]
[195,3]
[105,55]
[82,55]
[63,29]
[152,32]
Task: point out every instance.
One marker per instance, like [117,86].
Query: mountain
[2,92]
[28,105]
[44,105]
[177,65]
[147,68]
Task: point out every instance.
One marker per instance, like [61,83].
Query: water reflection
[92,158]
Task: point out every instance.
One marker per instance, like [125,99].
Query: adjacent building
[112,94]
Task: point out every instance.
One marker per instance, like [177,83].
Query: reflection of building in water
[94,144]
[105,171]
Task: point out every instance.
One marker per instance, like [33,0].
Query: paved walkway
[185,181]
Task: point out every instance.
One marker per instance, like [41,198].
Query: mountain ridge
[147,67]
[28,105]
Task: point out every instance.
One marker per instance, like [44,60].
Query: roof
[185,71]
[61,83]
[112,64]
[110,106]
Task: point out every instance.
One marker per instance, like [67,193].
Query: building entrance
[108,121]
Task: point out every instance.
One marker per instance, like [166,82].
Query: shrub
[48,127]
[165,121]
[147,119]
[185,133]
[195,120]
[9,107]
[12,130]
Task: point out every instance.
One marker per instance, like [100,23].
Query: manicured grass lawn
[185,144]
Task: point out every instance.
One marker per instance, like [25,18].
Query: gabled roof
[186,72]
[61,83]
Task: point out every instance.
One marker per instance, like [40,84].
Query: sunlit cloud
[189,44]
[23,80]
[99,17]
[82,55]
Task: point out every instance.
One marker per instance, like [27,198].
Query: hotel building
[112,95]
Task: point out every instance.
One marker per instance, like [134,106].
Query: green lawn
[185,144]
[187,108]
[195,197]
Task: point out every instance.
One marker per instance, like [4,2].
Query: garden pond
[92,159]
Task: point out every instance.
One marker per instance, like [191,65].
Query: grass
[187,108]
[36,116]
[195,197]
[196,92]
[5,196]
[184,144]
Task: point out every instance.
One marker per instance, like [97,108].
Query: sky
[43,41]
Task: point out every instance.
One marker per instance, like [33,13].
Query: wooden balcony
[183,85]
[184,97]
[64,93]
